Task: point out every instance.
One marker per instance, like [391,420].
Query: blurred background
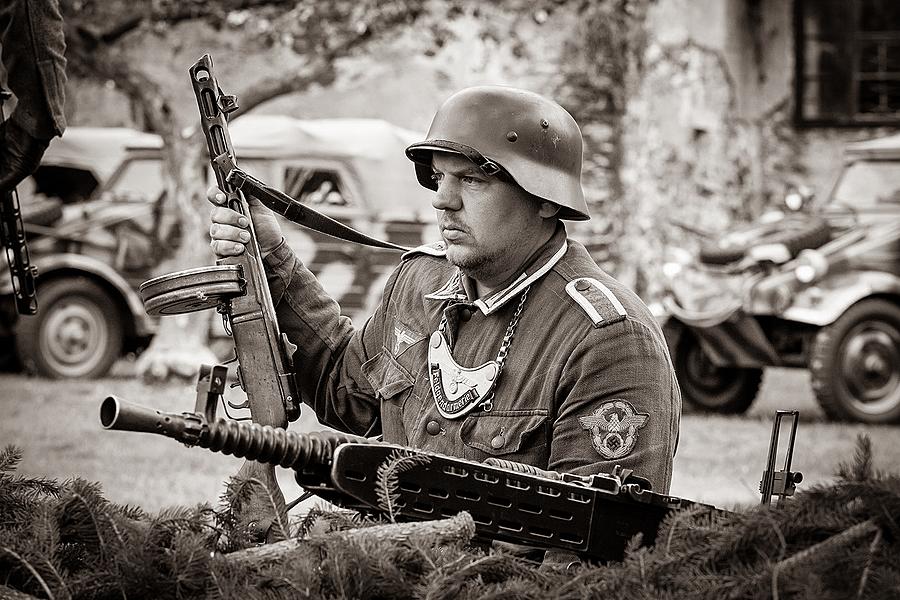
[728,166]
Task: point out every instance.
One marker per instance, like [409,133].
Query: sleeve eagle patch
[614,428]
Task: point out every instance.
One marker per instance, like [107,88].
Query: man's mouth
[452,232]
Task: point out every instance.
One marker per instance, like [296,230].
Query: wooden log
[456,531]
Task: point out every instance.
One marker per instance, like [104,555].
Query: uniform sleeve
[31,34]
[331,353]
[618,404]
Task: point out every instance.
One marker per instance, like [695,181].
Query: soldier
[33,47]
[505,340]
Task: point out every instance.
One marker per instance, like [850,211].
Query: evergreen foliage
[66,541]
[388,482]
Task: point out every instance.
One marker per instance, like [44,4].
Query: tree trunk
[180,345]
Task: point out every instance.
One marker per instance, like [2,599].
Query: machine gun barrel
[252,441]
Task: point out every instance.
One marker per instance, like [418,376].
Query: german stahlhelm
[507,130]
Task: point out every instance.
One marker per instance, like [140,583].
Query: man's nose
[446,197]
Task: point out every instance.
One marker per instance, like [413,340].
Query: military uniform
[587,384]
[33,47]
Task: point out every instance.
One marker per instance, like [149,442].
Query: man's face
[489,225]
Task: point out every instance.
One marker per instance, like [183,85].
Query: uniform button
[498,442]
[435,340]
[465,314]
[582,286]
[433,427]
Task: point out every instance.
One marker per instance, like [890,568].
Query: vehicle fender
[822,303]
[46,265]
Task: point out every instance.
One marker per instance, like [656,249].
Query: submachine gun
[12,239]
[236,286]
[593,515]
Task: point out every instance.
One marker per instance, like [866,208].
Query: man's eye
[437,177]
[468,180]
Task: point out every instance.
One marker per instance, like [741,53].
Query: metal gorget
[456,389]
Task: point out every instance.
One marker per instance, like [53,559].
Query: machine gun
[595,515]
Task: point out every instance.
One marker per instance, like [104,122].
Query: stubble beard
[476,263]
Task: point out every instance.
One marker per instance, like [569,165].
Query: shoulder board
[597,300]
[435,249]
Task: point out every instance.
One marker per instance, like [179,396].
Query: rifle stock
[265,357]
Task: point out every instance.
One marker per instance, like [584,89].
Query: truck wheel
[711,388]
[76,333]
[797,233]
[855,364]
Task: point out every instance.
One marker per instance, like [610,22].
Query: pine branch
[30,569]
[807,556]
[873,548]
[10,457]
[861,469]
[387,478]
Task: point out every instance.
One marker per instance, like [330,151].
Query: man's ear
[548,209]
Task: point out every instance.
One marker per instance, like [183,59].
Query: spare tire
[795,232]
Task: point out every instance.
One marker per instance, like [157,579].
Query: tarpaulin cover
[373,149]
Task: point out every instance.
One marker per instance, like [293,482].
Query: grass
[56,423]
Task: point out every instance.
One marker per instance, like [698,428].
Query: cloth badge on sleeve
[614,428]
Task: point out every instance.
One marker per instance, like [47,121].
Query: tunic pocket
[393,387]
[515,434]
[387,376]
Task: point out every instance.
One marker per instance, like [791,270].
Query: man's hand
[20,154]
[229,228]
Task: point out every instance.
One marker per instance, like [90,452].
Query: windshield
[868,183]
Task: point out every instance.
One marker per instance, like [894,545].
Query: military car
[814,286]
[98,226]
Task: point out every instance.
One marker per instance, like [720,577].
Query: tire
[710,388]
[855,364]
[797,233]
[77,332]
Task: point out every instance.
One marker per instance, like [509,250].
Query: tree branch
[320,71]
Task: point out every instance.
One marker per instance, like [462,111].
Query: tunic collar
[462,289]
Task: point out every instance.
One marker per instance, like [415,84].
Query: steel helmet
[530,138]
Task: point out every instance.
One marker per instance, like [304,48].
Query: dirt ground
[719,459]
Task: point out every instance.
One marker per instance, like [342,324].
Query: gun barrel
[116,413]
[262,443]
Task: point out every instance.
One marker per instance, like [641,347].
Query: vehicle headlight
[811,266]
[793,201]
